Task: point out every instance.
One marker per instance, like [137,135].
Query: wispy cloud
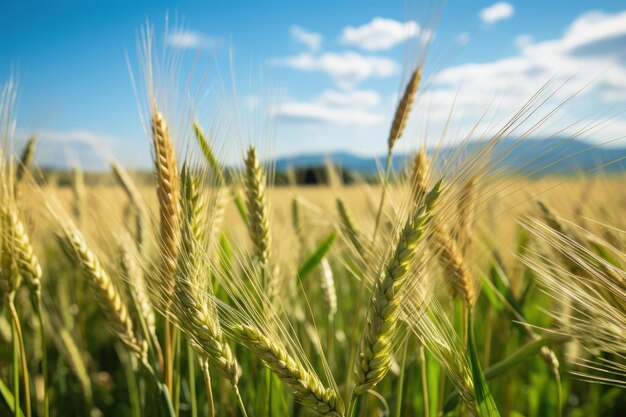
[380,34]
[347,69]
[357,108]
[585,61]
[187,39]
[312,40]
[496,12]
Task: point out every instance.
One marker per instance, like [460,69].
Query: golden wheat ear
[167,194]
[108,296]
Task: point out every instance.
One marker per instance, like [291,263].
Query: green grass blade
[316,257]
[8,399]
[484,400]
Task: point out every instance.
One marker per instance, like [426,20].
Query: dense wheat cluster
[446,288]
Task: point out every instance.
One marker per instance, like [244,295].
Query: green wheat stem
[209,390]
[22,356]
[400,388]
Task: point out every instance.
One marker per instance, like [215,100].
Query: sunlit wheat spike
[349,227]
[107,295]
[307,389]
[257,206]
[456,271]
[194,310]
[167,194]
[420,175]
[296,220]
[78,187]
[10,277]
[26,159]
[27,262]
[404,108]
[133,273]
[467,211]
[258,226]
[135,198]
[376,342]
[208,153]
[552,220]
[327,285]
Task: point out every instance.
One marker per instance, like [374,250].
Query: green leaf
[433,374]
[484,400]
[490,293]
[7,397]
[316,257]
[519,356]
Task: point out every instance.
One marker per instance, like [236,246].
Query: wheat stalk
[376,342]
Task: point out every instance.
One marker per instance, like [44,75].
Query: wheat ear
[258,225]
[26,159]
[419,176]
[349,226]
[107,295]
[10,277]
[404,108]
[327,285]
[134,274]
[78,187]
[135,198]
[467,211]
[167,194]
[195,313]
[307,389]
[453,264]
[27,262]
[376,342]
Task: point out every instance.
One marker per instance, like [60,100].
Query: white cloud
[380,34]
[316,113]
[357,98]
[312,40]
[588,61]
[496,12]
[356,108]
[463,39]
[186,39]
[346,68]
[523,41]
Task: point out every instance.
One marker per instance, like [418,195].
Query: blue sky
[326,73]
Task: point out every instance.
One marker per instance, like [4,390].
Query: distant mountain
[528,157]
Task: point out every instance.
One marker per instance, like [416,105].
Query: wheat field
[447,288]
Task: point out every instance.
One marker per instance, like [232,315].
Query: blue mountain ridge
[527,157]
